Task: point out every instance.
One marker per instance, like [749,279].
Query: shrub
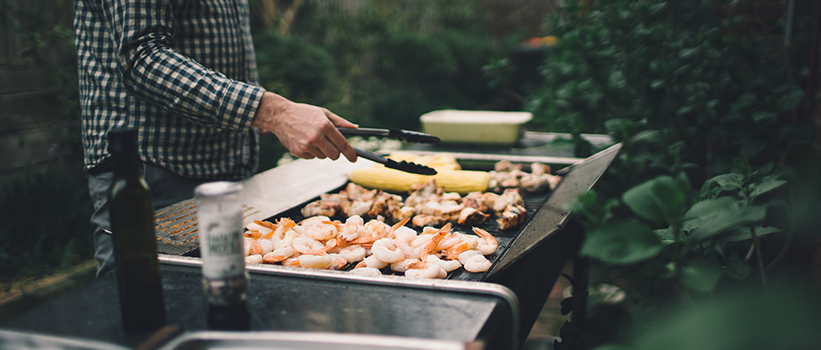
[292,67]
[44,224]
[705,112]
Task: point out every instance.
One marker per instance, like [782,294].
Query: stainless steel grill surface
[177,228]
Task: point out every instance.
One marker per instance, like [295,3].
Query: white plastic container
[476,127]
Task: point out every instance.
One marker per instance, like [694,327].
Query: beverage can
[219,222]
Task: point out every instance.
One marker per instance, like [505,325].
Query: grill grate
[177,227]
[505,237]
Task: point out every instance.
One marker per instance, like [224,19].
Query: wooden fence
[28,59]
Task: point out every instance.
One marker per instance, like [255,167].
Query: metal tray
[501,327]
[34,341]
[307,341]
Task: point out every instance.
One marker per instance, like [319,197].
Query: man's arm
[305,130]
[153,70]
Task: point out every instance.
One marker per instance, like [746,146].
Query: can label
[219,215]
[221,240]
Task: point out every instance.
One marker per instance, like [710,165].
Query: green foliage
[622,243]
[672,67]
[724,213]
[292,67]
[705,113]
[44,224]
[784,318]
[409,57]
[395,60]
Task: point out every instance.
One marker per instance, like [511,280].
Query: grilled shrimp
[449,265]
[464,256]
[372,261]
[316,261]
[385,250]
[287,239]
[477,263]
[487,243]
[425,269]
[266,245]
[449,241]
[253,259]
[304,244]
[366,271]
[403,265]
[353,253]
[322,231]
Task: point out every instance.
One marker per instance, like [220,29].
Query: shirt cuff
[239,104]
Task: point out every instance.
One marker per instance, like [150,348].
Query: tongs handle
[402,135]
[390,163]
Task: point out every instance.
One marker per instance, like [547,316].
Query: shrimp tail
[339,263]
[484,234]
[271,259]
[391,233]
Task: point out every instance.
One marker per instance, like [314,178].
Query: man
[184,74]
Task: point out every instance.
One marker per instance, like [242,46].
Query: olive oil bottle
[135,246]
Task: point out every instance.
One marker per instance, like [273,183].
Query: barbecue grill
[495,309]
[528,261]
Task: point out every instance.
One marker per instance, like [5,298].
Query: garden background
[710,207]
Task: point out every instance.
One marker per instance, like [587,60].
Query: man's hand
[306,131]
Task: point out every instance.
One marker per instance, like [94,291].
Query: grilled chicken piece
[535,183]
[539,168]
[477,201]
[422,220]
[421,193]
[511,196]
[513,216]
[357,207]
[472,216]
[354,191]
[321,207]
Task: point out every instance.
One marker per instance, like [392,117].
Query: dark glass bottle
[135,245]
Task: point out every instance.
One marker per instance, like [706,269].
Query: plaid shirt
[181,72]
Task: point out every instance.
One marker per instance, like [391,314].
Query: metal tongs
[402,135]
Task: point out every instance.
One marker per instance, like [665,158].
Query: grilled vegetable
[390,180]
[439,162]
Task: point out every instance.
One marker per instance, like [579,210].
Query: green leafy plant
[725,212]
[707,113]
[681,69]
[678,242]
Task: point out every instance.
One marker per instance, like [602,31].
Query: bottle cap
[217,188]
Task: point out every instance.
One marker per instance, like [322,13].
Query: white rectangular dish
[476,127]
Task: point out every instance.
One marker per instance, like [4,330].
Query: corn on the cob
[438,162]
[390,180]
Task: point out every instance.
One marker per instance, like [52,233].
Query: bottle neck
[126,163]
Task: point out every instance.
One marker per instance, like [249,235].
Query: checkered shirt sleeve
[182,72]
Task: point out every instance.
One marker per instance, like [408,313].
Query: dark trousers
[166,189]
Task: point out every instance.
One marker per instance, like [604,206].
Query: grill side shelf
[551,216]
[263,195]
[176,227]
